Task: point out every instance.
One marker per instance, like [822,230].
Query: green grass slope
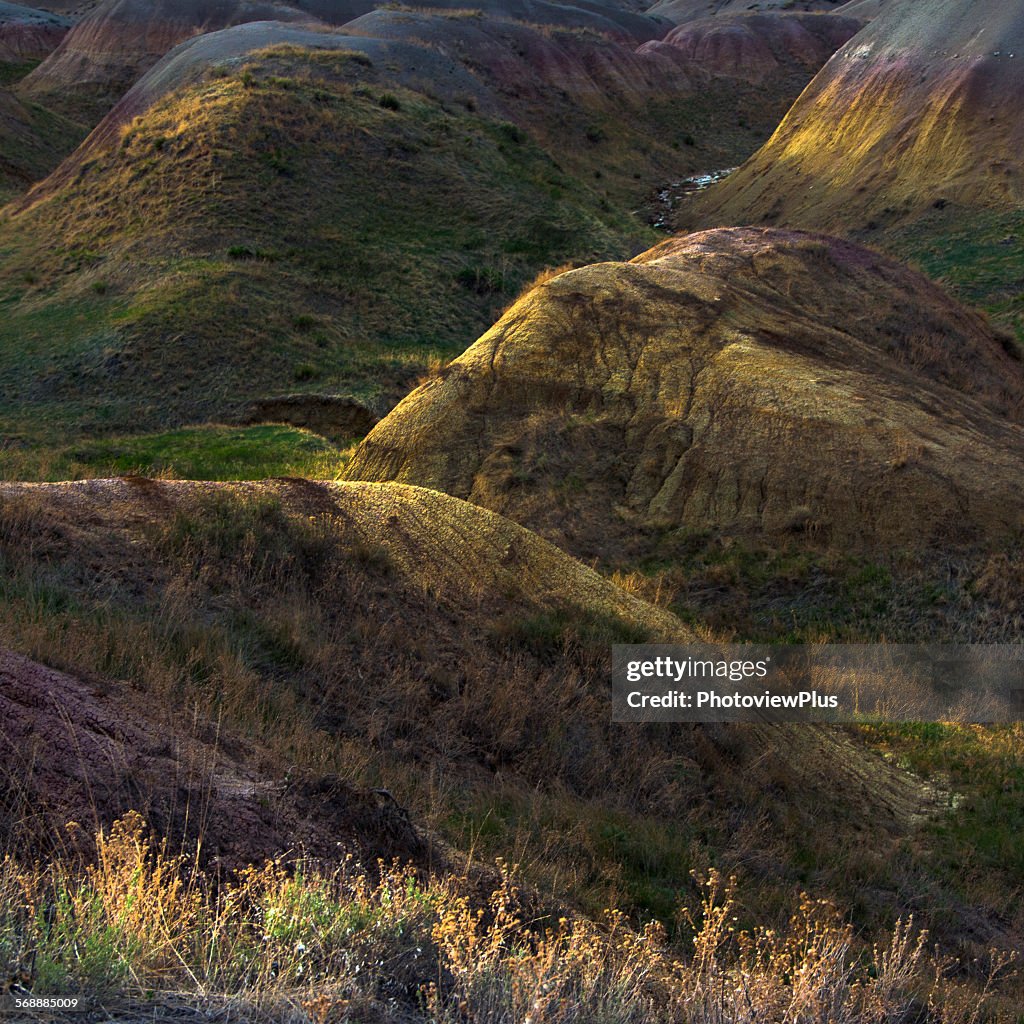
[33,140]
[294,224]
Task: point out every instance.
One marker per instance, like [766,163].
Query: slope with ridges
[756,46]
[112,47]
[919,108]
[756,382]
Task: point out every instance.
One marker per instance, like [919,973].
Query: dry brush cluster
[298,942]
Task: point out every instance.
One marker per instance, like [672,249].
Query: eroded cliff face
[740,380]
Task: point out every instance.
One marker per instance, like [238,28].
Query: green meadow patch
[193,453]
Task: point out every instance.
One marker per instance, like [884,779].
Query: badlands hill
[27,34]
[268,210]
[755,382]
[296,207]
[918,110]
[756,47]
[114,45]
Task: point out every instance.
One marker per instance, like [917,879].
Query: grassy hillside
[33,140]
[290,225]
[329,633]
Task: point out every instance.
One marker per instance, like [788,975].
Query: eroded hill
[269,211]
[748,381]
[908,137]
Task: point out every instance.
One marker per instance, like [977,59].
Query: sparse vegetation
[370,666]
[140,921]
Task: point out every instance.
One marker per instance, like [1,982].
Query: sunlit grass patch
[139,922]
[193,453]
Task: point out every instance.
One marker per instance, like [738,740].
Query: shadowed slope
[682,11]
[755,46]
[749,381]
[87,750]
[109,50]
[27,34]
[32,142]
[434,577]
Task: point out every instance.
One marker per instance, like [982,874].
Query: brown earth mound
[738,380]
[754,46]
[920,107]
[87,751]
[230,649]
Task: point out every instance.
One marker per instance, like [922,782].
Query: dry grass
[305,944]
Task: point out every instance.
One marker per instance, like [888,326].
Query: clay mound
[919,108]
[87,751]
[29,34]
[754,46]
[681,11]
[110,48]
[738,380]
